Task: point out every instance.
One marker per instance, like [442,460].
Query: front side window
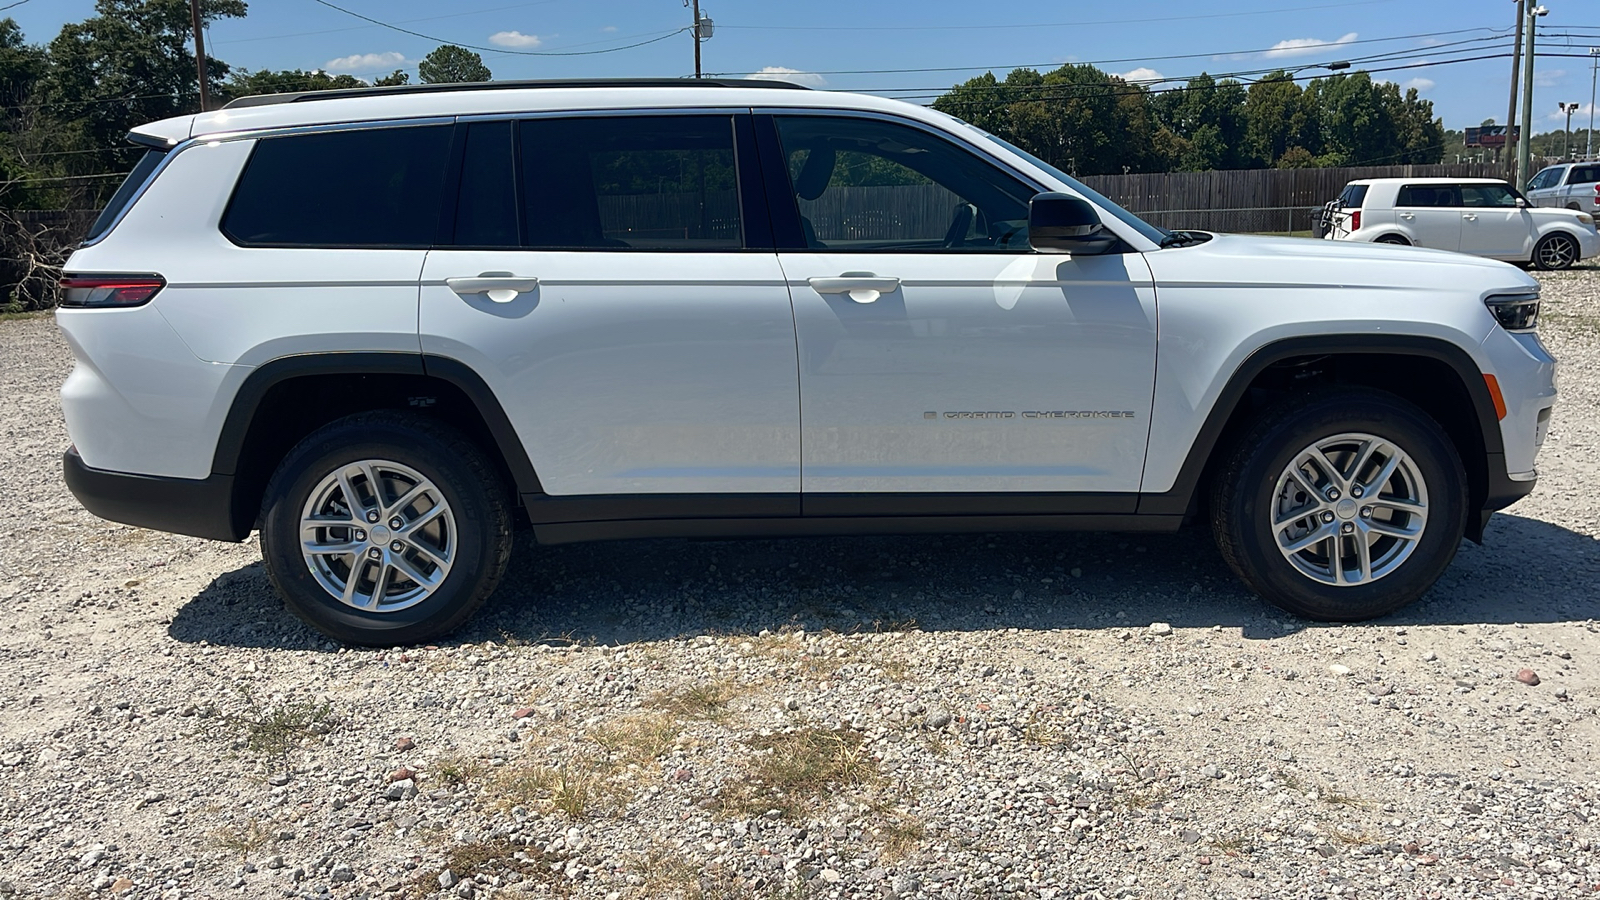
[1544,179]
[1429,195]
[376,187]
[1480,195]
[635,182]
[870,185]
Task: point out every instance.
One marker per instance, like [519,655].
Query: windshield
[1154,234]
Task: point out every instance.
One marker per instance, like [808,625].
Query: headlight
[1585,218]
[1515,312]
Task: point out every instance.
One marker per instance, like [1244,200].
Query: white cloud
[367,62]
[1304,46]
[1582,115]
[1142,75]
[1548,77]
[514,39]
[1423,85]
[783,73]
[609,28]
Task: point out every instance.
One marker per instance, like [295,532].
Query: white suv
[1567,185]
[375,325]
[1481,216]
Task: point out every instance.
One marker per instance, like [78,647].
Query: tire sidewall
[307,465]
[1538,260]
[1438,465]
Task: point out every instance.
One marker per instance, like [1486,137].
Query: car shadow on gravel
[1530,571]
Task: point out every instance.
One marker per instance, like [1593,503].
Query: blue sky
[842,39]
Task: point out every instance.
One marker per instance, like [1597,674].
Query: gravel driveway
[1039,715]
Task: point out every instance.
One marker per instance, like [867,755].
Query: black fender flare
[1180,498]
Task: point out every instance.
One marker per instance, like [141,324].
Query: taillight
[109,291]
[1355,220]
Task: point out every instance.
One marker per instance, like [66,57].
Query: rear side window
[1584,175]
[378,187]
[636,182]
[124,195]
[486,211]
[1353,196]
[1429,195]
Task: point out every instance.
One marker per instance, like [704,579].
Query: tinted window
[486,211]
[1544,179]
[1429,195]
[1584,175]
[1487,195]
[124,195]
[374,188]
[1353,196]
[865,184]
[643,183]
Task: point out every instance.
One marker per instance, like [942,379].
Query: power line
[440,40]
[12,5]
[475,12]
[1246,13]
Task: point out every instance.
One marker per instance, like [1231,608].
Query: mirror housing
[1062,223]
[1521,203]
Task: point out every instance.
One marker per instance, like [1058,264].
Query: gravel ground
[1040,716]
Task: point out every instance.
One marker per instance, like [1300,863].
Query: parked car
[1481,216]
[1568,186]
[375,325]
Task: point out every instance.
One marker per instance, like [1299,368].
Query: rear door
[616,286]
[1492,224]
[1432,213]
[1581,184]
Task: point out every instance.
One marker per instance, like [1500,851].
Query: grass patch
[242,839]
[796,770]
[455,771]
[493,858]
[669,875]
[637,740]
[16,316]
[1233,844]
[898,835]
[572,787]
[277,731]
[704,700]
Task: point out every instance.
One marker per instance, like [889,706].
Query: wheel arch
[1434,374]
[284,400]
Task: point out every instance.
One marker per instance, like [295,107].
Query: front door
[613,291]
[1492,224]
[939,353]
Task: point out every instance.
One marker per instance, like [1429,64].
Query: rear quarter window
[378,187]
[1353,196]
[1584,175]
[125,193]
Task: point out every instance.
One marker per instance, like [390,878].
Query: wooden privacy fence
[1253,199]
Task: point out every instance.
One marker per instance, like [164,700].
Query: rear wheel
[1393,239]
[1341,506]
[385,528]
[1556,251]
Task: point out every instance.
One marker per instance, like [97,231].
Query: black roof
[341,93]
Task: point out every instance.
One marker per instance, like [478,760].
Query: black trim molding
[202,508]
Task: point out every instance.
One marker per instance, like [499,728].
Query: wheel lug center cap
[379,534]
[1346,509]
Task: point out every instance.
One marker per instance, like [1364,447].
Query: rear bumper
[202,508]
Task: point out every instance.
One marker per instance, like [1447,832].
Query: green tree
[129,64]
[393,79]
[1278,120]
[450,64]
[1208,118]
[266,81]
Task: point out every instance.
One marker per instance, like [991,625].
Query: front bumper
[202,508]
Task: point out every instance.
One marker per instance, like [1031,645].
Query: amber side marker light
[1495,395]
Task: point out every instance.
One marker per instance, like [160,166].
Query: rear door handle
[501,287]
[1469,217]
[1408,215]
[862,287]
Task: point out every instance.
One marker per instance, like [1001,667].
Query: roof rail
[387,90]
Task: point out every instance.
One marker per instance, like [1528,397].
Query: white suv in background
[374,325]
[1567,186]
[1481,216]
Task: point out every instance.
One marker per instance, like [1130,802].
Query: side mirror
[1062,223]
[1521,203]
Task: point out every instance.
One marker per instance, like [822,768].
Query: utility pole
[701,31]
[200,55]
[1511,112]
[1594,71]
[1525,147]
[1569,109]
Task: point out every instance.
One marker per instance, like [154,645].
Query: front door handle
[501,287]
[862,287]
[1469,217]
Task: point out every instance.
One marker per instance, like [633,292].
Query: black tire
[469,484]
[1547,257]
[1393,239]
[1245,489]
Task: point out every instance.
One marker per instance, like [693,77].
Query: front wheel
[1341,506]
[1556,251]
[385,528]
